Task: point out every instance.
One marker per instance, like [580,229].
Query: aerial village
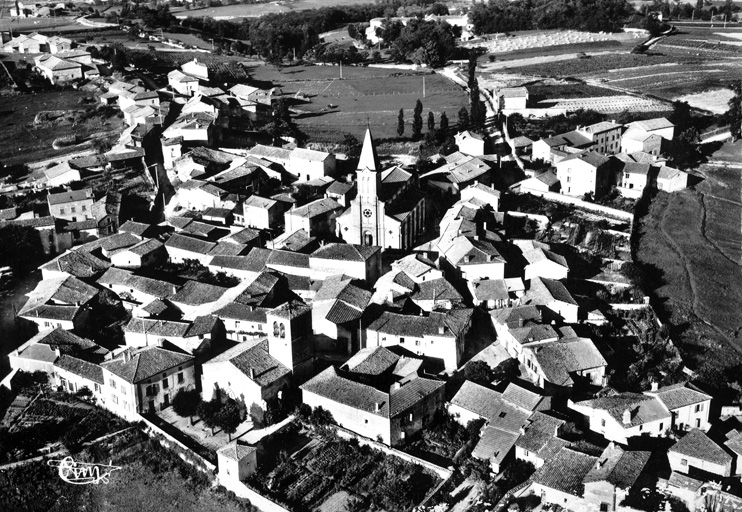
[480,321]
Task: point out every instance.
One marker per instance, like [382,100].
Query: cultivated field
[697,263]
[253,10]
[59,24]
[364,96]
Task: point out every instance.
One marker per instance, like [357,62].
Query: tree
[479,372]
[400,123]
[472,68]
[443,123]
[186,403]
[508,369]
[463,119]
[735,111]
[431,121]
[228,417]
[417,121]
[207,412]
[19,246]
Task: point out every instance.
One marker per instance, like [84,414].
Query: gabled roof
[194,293]
[252,359]
[559,359]
[570,139]
[489,289]
[591,157]
[309,155]
[315,208]
[77,263]
[652,124]
[146,363]
[238,311]
[70,196]
[263,203]
[642,408]
[494,444]
[449,325]
[154,287]
[145,247]
[618,467]
[60,290]
[680,395]
[372,361]
[543,291]
[537,255]
[521,397]
[540,432]
[80,367]
[565,471]
[512,317]
[600,127]
[190,244]
[698,445]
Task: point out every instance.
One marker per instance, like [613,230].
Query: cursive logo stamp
[82,473]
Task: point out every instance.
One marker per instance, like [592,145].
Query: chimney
[655,386]
[396,386]
[490,257]
[520,322]
[484,226]
[175,289]
[627,416]
[377,407]
[442,329]
[252,373]
[127,355]
[611,445]
[425,255]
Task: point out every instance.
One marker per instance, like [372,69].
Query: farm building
[58,70]
[584,173]
[512,98]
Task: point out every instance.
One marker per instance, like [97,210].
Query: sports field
[364,96]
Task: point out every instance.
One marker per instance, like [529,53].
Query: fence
[190,456]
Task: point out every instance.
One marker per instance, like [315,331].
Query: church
[388,210]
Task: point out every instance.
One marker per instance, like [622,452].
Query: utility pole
[423,86]
[341,69]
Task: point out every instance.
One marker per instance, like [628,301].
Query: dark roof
[698,445]
[80,367]
[453,323]
[565,471]
[154,287]
[77,263]
[371,361]
[253,356]
[246,263]
[540,430]
[543,291]
[194,293]
[521,397]
[618,467]
[138,228]
[643,408]
[560,359]
[146,363]
[243,312]
[187,243]
[61,290]
[118,241]
[156,327]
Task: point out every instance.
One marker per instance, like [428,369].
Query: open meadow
[53,24]
[697,264]
[31,123]
[364,96]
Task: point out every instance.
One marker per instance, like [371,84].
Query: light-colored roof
[236,451]
[369,158]
[146,363]
[698,445]
[565,471]
[652,124]
[642,408]
[618,467]
[680,395]
[252,359]
[560,359]
[315,208]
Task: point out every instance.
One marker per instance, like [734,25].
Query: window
[281,331]
[165,384]
[180,378]
[63,382]
[126,405]
[84,208]
[699,407]
[97,387]
[602,423]
[73,209]
[503,414]
[61,211]
[236,325]
[112,383]
[275,329]
[401,340]
[683,462]
[115,399]
[417,343]
[604,507]
[698,422]
[123,390]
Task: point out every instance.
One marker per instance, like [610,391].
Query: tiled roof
[540,430]
[489,289]
[372,361]
[490,405]
[618,467]
[667,173]
[538,254]
[159,328]
[682,481]
[286,258]
[61,290]
[511,317]
[591,157]
[246,263]
[600,127]
[315,208]
[291,309]
[146,363]
[242,312]
[137,228]
[534,333]
[494,444]
[118,241]
[452,323]
[680,395]
[565,471]
[263,203]
[78,263]
[559,359]
[298,241]
[70,196]
[520,396]
[270,152]
[698,445]
[436,289]
[154,287]
[253,356]
[145,247]
[643,409]
[346,252]
[229,249]
[195,293]
[309,155]
[80,367]
[236,451]
[652,124]
[187,243]
[242,236]
[543,291]
[572,139]
[65,341]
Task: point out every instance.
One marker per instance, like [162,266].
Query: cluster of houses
[591,160]
[379,347]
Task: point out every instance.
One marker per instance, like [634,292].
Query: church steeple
[369,159]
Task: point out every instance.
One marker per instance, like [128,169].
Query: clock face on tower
[367,213]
